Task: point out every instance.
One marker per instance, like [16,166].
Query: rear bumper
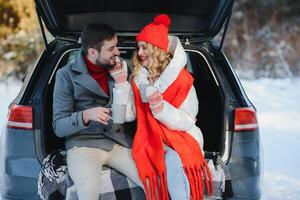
[19,168]
[246,166]
[23,167]
[19,188]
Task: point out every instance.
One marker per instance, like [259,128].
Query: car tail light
[245,119]
[20,117]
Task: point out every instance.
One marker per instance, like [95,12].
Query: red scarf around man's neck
[148,150]
[98,73]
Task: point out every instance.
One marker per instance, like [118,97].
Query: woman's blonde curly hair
[158,61]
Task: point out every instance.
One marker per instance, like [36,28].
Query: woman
[166,106]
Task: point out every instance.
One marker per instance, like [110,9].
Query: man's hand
[119,72]
[98,114]
[155,99]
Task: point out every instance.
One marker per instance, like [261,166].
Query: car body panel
[246,165]
[19,167]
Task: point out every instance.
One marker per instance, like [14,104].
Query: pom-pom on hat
[156,33]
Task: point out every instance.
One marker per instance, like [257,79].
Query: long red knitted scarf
[148,151]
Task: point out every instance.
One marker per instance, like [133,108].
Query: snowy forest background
[262,39]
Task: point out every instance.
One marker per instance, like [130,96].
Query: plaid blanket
[55,184]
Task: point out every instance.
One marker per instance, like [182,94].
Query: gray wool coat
[75,91]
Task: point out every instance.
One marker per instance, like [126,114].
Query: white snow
[278,105]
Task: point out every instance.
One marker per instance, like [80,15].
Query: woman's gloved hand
[119,72]
[155,99]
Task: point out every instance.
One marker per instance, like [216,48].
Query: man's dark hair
[94,35]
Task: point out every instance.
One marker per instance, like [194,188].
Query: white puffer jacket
[183,118]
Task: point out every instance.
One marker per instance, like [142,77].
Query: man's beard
[104,63]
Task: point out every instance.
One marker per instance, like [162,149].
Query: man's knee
[90,190]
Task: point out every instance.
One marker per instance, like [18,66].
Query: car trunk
[200,20]
[209,118]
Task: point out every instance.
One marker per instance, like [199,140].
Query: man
[83,94]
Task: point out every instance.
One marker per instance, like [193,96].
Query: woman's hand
[119,72]
[155,99]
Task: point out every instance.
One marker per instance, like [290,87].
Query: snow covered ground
[278,105]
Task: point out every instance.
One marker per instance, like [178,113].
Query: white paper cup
[143,92]
[118,113]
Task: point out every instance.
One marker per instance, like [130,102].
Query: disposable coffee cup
[118,113]
[143,92]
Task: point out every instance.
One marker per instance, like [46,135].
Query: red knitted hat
[156,33]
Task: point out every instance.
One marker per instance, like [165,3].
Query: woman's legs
[177,181]
[85,165]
